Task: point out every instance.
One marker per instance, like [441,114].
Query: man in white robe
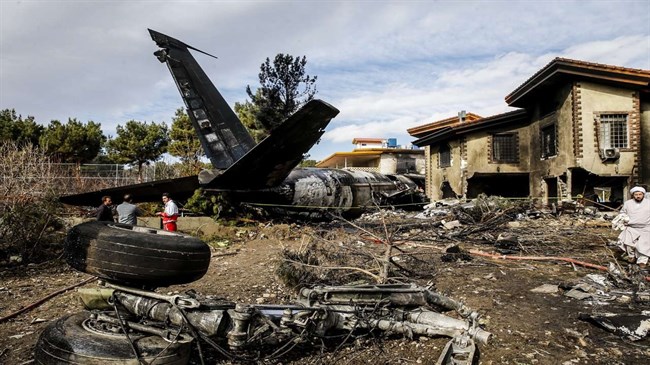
[635,238]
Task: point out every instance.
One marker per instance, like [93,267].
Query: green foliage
[74,141]
[285,87]
[247,113]
[22,131]
[212,205]
[138,143]
[185,144]
[308,163]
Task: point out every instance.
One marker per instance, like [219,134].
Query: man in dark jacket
[104,212]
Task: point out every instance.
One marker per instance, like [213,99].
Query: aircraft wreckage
[127,322]
[264,174]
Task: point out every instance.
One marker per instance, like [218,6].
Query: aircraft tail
[223,137]
[271,161]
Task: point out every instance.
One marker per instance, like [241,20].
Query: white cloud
[387,66]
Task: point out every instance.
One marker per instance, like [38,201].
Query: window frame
[543,145]
[444,148]
[605,140]
[514,136]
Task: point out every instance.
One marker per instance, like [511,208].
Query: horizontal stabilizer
[271,161]
[179,189]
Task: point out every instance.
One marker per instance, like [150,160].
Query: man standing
[128,212]
[635,238]
[104,212]
[170,214]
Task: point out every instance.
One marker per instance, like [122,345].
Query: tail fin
[222,135]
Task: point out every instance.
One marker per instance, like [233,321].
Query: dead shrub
[28,207]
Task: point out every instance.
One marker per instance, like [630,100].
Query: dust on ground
[528,327]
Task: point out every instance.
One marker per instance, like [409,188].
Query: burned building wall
[644,106]
[447,175]
[552,143]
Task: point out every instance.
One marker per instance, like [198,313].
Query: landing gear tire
[136,256]
[69,341]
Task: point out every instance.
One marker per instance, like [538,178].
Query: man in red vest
[170,214]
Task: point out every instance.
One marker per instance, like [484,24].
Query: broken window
[444,156]
[613,131]
[504,148]
[549,143]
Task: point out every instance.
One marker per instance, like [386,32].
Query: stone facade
[573,134]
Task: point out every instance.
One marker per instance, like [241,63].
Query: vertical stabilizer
[222,135]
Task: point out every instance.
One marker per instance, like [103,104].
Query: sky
[386,65]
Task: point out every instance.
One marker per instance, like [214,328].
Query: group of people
[128,213]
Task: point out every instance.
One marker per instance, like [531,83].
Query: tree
[72,142]
[308,163]
[138,143]
[285,87]
[247,113]
[184,143]
[16,129]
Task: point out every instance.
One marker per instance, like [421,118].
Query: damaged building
[581,128]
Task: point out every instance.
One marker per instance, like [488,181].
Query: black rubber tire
[134,255]
[67,342]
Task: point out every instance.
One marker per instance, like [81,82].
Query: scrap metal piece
[209,321]
[166,334]
[181,301]
[631,326]
[458,351]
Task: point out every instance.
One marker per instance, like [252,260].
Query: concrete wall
[194,225]
[645,142]
[594,99]
[400,163]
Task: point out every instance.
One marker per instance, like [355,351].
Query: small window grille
[549,143]
[613,131]
[444,156]
[504,148]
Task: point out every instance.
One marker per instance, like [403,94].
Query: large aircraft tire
[67,341]
[135,255]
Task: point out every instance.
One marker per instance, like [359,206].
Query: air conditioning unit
[607,154]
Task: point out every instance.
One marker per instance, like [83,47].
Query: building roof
[338,158]
[494,121]
[422,130]
[561,70]
[368,140]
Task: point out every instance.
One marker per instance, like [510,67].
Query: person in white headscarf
[635,238]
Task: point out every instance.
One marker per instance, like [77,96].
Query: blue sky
[386,65]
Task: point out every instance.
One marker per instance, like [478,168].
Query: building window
[549,143]
[613,131]
[504,148]
[444,156]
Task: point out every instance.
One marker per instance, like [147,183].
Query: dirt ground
[528,327]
